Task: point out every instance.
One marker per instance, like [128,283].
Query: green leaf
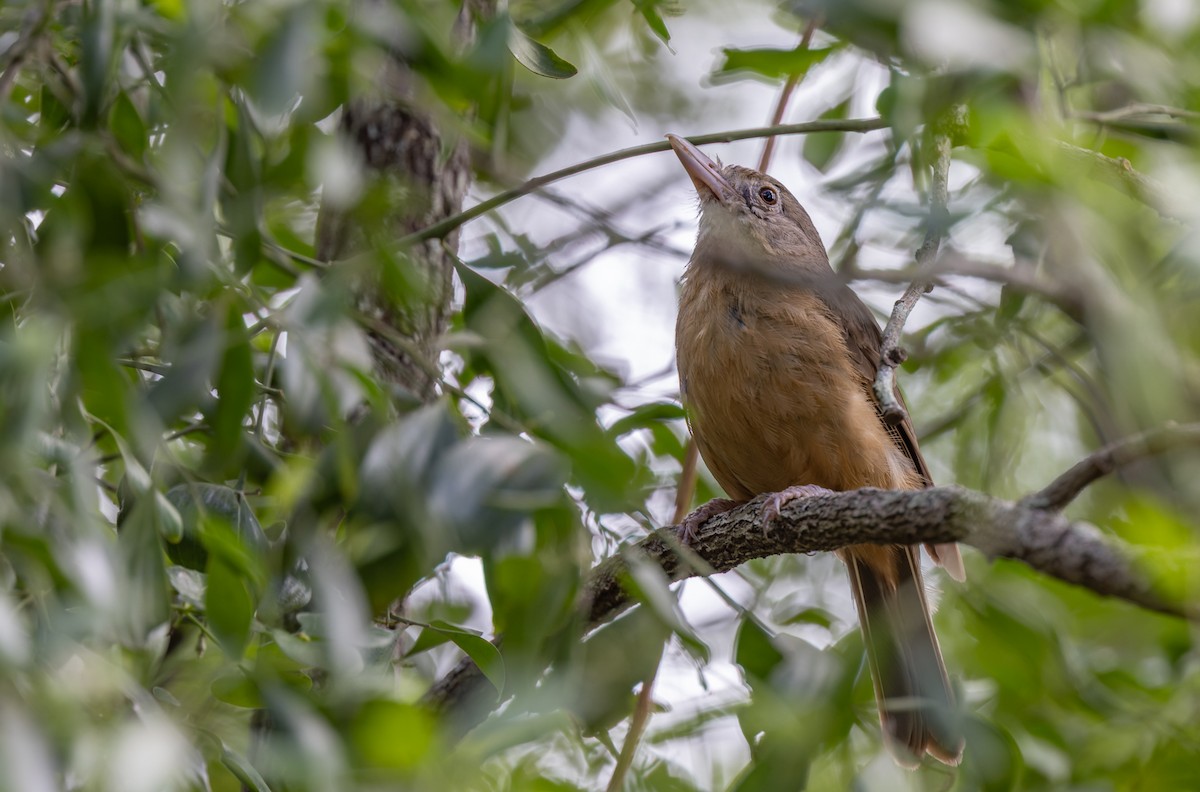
[646,415]
[244,544]
[242,196]
[479,649]
[543,384]
[235,394]
[649,584]
[649,10]
[755,651]
[194,354]
[143,573]
[994,761]
[282,66]
[820,149]
[304,649]
[597,681]
[127,126]
[189,584]
[486,487]
[814,616]
[229,605]
[772,63]
[54,114]
[537,57]
[170,522]
[242,770]
[393,735]
[236,687]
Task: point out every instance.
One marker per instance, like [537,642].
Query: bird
[776,359]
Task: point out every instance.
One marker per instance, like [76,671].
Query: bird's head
[748,219]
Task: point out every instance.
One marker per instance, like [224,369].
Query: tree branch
[450,223]
[1074,552]
[1064,489]
[785,95]
[951,263]
[891,353]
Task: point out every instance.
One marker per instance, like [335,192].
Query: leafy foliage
[231,551]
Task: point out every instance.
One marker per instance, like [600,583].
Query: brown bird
[776,363]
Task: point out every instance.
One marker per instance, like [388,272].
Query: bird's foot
[777,500]
[689,528]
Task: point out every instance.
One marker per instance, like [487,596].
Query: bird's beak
[705,173]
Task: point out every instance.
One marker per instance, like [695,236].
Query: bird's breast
[772,397]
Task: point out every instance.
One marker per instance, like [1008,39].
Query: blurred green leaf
[229,508]
[597,684]
[236,688]
[652,11]
[229,604]
[770,63]
[755,651]
[144,578]
[189,584]
[393,736]
[240,766]
[280,72]
[127,126]
[820,150]
[235,393]
[537,57]
[479,649]
[530,384]
[649,584]
[647,415]
[485,487]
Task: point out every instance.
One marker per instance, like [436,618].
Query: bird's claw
[777,500]
[689,529]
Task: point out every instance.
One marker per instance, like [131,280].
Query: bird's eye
[768,195]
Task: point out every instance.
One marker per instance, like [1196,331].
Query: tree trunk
[399,143]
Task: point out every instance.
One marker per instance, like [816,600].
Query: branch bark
[1071,551]
[1057,494]
[891,353]
[1074,552]
[401,144]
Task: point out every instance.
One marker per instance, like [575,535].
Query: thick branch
[1074,552]
[891,354]
[1064,489]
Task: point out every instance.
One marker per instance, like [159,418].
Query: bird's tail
[916,705]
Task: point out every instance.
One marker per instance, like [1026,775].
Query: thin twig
[34,23]
[259,423]
[637,725]
[1120,173]
[1134,111]
[786,94]
[1059,493]
[687,482]
[440,229]
[891,353]
[951,263]
[641,709]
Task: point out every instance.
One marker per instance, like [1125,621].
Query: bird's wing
[864,340]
